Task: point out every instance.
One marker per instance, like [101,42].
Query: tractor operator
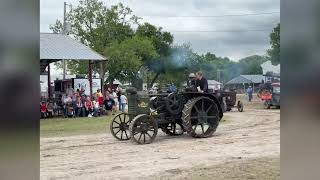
[193,79]
[202,82]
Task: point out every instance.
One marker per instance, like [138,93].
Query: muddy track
[251,134]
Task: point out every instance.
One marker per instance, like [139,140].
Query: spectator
[96,107]
[89,107]
[80,111]
[118,95]
[100,97]
[66,101]
[43,109]
[250,92]
[123,102]
[69,109]
[56,108]
[50,109]
[115,97]
[109,105]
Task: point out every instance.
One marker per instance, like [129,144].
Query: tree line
[142,50]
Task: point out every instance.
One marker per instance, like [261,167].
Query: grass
[58,127]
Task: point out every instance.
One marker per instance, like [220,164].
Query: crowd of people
[78,104]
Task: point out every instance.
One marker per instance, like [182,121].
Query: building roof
[247,79]
[59,46]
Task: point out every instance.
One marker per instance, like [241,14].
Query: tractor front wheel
[119,127]
[143,129]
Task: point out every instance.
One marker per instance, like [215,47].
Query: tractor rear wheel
[200,117]
[119,127]
[143,129]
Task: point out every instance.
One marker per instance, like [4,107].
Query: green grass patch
[58,127]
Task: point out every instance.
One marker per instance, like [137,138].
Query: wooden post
[102,78]
[49,82]
[90,78]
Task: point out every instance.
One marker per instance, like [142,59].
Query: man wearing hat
[193,79]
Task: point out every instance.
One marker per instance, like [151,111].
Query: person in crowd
[115,97]
[69,109]
[50,109]
[109,90]
[78,92]
[96,107]
[123,102]
[118,92]
[65,100]
[202,82]
[89,107]
[100,97]
[250,92]
[43,109]
[109,105]
[80,110]
[56,108]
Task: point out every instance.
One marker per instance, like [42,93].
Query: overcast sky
[236,43]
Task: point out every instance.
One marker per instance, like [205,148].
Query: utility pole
[64,31]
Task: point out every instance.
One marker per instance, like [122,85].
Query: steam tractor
[196,113]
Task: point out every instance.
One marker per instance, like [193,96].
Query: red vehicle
[270,95]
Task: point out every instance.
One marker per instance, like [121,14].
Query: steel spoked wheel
[143,129]
[201,117]
[173,129]
[119,127]
[240,106]
[174,103]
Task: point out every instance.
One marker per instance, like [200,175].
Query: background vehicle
[270,95]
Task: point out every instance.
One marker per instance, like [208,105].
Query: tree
[97,26]
[252,64]
[162,42]
[274,52]
[128,56]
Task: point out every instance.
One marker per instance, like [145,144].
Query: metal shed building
[243,81]
[57,47]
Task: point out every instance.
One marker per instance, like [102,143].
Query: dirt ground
[246,145]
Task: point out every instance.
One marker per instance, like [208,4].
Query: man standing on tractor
[202,82]
[192,79]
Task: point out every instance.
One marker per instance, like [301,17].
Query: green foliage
[274,52]
[161,40]
[127,57]
[251,64]
[97,26]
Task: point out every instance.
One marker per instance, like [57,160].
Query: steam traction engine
[196,113]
